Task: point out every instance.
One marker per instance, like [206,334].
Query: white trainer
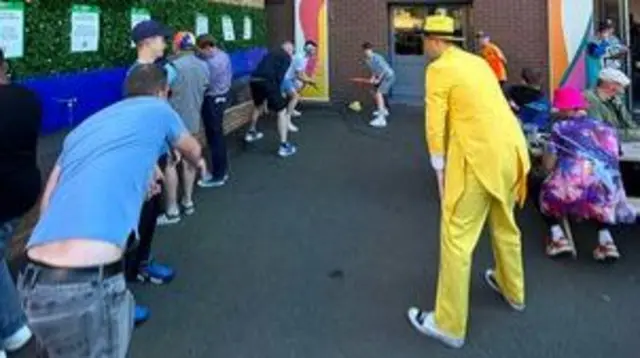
[490,278]
[425,323]
[295,114]
[378,122]
[17,340]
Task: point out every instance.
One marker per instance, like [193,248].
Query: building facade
[546,34]
[519,26]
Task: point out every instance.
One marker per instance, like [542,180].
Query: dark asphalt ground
[320,255]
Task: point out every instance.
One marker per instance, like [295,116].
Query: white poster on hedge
[85,28]
[138,16]
[228,32]
[12,29]
[247,33]
[202,24]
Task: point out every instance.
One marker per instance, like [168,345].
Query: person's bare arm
[52,182]
[190,149]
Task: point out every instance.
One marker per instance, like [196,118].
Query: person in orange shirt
[494,55]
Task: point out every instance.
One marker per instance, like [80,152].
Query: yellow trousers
[461,226]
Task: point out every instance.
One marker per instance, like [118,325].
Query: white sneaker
[253,136]
[425,323]
[17,340]
[293,128]
[3,354]
[168,219]
[296,114]
[384,113]
[490,278]
[378,122]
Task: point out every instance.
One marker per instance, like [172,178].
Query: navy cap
[148,29]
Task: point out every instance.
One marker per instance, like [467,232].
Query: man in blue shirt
[73,286]
[296,78]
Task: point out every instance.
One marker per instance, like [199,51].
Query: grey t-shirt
[189,88]
[379,66]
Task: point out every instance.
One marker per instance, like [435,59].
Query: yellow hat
[439,26]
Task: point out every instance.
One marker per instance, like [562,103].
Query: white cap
[616,76]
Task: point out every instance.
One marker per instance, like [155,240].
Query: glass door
[407,47]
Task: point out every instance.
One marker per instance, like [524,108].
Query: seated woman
[584,181]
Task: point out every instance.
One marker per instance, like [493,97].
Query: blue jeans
[213,118]
[11,316]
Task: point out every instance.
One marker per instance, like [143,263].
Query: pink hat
[568,98]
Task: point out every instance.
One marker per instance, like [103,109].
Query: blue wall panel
[91,91]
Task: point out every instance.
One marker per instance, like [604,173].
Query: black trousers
[213,109]
[139,251]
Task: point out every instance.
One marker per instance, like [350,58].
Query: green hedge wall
[47,41]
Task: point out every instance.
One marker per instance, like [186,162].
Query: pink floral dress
[586,181]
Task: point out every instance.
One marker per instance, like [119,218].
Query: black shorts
[262,91]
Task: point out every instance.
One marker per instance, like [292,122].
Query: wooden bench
[235,117]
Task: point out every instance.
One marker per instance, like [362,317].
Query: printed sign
[202,25]
[12,29]
[228,32]
[85,28]
[247,33]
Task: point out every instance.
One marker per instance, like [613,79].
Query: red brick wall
[518,26]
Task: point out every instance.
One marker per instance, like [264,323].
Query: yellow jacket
[469,122]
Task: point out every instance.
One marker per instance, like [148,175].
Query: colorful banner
[570,26]
[311,24]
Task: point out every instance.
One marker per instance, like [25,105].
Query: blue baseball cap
[148,29]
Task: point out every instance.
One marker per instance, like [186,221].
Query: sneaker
[425,323]
[253,136]
[490,278]
[383,113]
[141,314]
[213,183]
[295,114]
[608,252]
[188,208]
[18,340]
[3,354]
[167,219]
[378,122]
[559,247]
[287,150]
[293,128]
[156,273]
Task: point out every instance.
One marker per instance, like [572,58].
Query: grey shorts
[385,85]
[92,319]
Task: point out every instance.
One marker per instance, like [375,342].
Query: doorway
[408,57]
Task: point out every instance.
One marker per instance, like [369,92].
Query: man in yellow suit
[481,161]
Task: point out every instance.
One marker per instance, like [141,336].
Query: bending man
[481,173]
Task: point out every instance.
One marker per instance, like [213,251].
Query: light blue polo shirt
[106,164]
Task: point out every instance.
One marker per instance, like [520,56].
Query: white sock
[556,233]
[604,237]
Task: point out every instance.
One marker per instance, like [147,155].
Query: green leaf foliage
[48,24]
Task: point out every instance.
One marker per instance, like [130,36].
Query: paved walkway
[320,255]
